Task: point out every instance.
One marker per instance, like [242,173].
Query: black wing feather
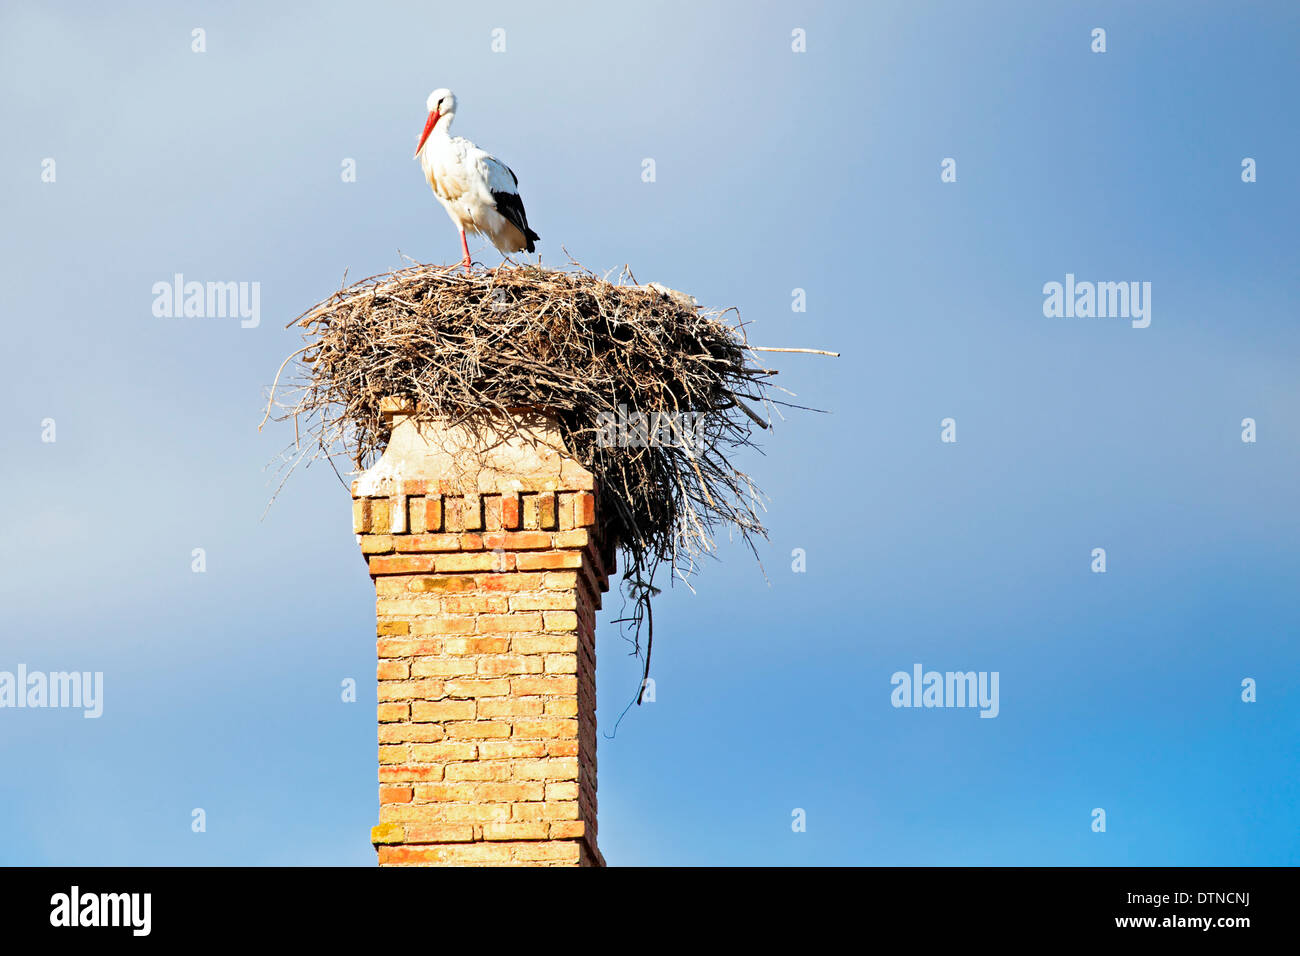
[512,207]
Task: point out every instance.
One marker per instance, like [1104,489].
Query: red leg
[465,247]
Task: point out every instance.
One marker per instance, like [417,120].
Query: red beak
[428,128]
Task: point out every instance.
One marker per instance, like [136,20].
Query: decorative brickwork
[485,606]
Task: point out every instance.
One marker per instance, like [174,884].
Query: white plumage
[479,192]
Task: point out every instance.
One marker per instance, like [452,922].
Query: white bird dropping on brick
[479,192]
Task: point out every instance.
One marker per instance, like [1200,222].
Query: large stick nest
[585,350]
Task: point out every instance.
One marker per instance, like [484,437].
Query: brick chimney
[489,566]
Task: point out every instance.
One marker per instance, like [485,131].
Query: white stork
[479,192]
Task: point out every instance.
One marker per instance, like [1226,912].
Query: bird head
[441,102]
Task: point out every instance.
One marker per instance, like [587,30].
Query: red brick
[561,620]
[450,563]
[561,663]
[511,707]
[404,732]
[376,543]
[477,604]
[472,513]
[498,770]
[549,768]
[428,542]
[511,582]
[508,623]
[408,648]
[400,564]
[509,510]
[511,749]
[547,513]
[442,585]
[562,707]
[558,686]
[393,585]
[477,688]
[557,810]
[429,710]
[545,727]
[544,601]
[392,712]
[503,664]
[450,751]
[444,667]
[572,539]
[407,773]
[527,541]
[445,812]
[432,513]
[443,625]
[451,854]
[440,833]
[547,560]
[565,851]
[444,793]
[516,831]
[566,510]
[476,645]
[566,643]
[392,670]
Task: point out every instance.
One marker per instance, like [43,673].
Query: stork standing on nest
[479,192]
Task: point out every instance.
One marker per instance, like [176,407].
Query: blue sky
[775,171]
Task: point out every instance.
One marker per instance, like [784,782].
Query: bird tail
[530,237]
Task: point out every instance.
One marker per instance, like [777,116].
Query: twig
[761,348]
